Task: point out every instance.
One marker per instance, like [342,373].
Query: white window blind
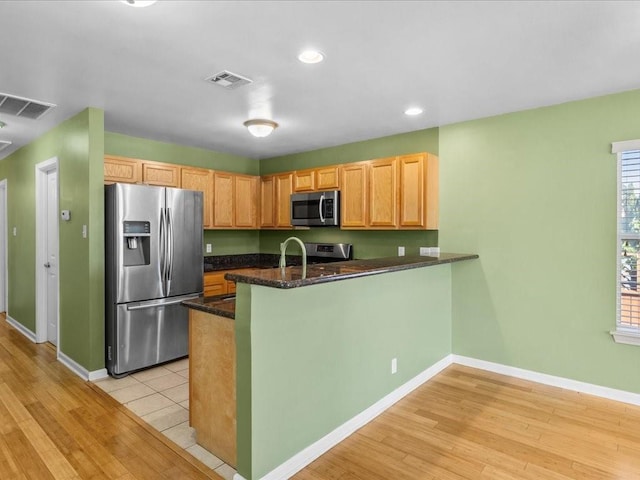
[628,240]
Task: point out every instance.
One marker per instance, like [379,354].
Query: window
[628,243]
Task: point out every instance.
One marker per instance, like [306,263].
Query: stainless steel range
[328,252]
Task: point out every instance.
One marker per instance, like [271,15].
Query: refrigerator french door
[154,261]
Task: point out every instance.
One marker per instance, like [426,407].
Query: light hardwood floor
[53,425]
[471,424]
[462,424]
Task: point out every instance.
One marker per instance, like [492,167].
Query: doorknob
[47,265]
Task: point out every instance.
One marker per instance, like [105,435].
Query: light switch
[84,231]
[15,231]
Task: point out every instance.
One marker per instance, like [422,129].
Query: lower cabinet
[216,284]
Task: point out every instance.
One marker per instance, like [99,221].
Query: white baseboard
[79,370]
[22,329]
[552,380]
[313,451]
[237,476]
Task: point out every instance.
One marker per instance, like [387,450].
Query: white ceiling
[145,67]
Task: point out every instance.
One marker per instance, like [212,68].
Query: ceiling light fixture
[139,3]
[311,56]
[260,127]
[413,111]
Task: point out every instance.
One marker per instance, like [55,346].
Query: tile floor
[160,396]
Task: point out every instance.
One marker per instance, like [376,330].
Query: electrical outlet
[394,365]
[401,251]
[15,231]
[208,248]
[84,231]
[425,251]
[435,251]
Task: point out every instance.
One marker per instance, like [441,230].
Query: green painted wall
[78,145]
[370,244]
[232,242]
[127,146]
[366,244]
[401,144]
[534,194]
[307,365]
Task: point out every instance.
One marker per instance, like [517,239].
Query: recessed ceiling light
[413,111]
[139,3]
[311,56]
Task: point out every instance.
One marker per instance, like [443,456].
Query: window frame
[622,334]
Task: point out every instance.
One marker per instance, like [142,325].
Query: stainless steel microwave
[316,209]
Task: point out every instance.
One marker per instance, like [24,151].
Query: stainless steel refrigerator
[154,261]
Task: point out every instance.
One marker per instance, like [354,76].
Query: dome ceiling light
[139,3]
[260,127]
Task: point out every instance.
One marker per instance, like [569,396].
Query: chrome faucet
[283,260]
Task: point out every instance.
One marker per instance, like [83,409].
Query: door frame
[42,170]
[4,250]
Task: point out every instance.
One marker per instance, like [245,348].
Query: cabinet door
[161,174]
[245,201]
[200,180]
[383,193]
[122,170]
[412,188]
[328,178]
[214,284]
[283,200]
[222,199]
[353,196]
[304,181]
[267,205]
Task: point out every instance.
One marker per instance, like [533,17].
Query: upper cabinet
[122,170]
[201,180]
[315,179]
[275,200]
[235,200]
[160,174]
[383,194]
[391,193]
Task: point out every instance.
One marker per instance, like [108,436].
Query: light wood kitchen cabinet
[122,170]
[383,193]
[245,205]
[284,187]
[235,200]
[200,180]
[316,179]
[214,284]
[222,199]
[161,174]
[418,175]
[353,196]
[328,178]
[304,181]
[212,383]
[391,193]
[267,202]
[275,197]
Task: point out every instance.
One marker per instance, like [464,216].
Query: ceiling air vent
[23,107]
[229,80]
[4,144]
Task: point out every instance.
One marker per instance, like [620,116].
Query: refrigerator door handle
[162,303]
[169,250]
[163,252]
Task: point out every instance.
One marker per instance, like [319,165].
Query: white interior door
[3,246]
[51,264]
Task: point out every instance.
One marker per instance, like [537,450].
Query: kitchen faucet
[283,260]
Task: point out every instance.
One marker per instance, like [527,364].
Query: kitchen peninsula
[314,353]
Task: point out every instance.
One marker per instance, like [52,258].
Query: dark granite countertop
[223,305]
[214,263]
[291,277]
